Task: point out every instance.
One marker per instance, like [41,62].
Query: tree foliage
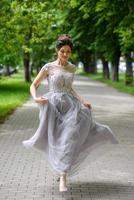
[111,34]
[100,29]
[26,32]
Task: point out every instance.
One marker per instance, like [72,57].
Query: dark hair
[64,40]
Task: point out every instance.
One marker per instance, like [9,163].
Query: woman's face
[64,53]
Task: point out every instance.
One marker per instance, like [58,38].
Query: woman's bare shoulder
[71,67]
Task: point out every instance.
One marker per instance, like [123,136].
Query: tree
[109,29]
[82,34]
[107,41]
[30,20]
[30,30]
[9,47]
[126,38]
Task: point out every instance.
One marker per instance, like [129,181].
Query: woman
[67,131]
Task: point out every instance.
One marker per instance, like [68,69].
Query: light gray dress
[67,132]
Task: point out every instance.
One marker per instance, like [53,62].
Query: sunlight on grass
[13,93]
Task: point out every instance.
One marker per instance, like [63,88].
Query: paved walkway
[25,174]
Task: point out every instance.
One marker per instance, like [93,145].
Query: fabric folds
[67,132]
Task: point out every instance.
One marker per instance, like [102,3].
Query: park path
[25,175]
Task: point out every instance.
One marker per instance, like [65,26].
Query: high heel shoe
[62,184]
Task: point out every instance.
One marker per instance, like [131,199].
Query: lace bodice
[59,79]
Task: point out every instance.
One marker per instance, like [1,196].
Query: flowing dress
[67,131]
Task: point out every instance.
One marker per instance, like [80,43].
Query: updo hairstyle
[64,40]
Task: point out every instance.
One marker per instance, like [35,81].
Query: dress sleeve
[45,67]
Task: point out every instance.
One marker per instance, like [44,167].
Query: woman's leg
[62,184]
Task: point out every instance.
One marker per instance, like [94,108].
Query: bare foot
[62,184]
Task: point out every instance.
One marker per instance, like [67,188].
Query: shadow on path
[94,190]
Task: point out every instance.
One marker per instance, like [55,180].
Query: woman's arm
[83,101]
[41,75]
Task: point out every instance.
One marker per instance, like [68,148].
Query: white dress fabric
[67,132]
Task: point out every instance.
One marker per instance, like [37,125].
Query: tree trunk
[115,66]
[129,69]
[32,69]
[92,64]
[27,73]
[7,72]
[106,73]
[26,57]
[37,69]
[89,62]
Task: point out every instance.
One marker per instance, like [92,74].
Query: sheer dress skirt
[67,132]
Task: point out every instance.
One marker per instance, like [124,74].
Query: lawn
[13,93]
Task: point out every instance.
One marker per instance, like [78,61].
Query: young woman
[67,131]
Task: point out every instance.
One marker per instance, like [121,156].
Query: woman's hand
[42,100]
[87,104]
[83,101]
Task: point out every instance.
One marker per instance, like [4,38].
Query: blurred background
[102,32]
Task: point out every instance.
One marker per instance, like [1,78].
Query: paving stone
[25,174]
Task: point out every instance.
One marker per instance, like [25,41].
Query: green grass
[13,93]
[120,85]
